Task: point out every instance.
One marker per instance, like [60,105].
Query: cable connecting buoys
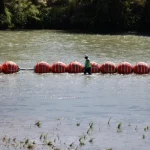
[59,67]
[0,68]
[141,68]
[108,67]
[42,67]
[75,67]
[124,68]
[95,67]
[10,67]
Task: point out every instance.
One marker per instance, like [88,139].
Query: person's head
[86,57]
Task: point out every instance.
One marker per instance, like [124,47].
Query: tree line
[82,15]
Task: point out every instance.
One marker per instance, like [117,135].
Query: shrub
[24,13]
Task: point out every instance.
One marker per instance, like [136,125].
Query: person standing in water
[87,66]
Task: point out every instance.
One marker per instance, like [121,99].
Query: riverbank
[95,16]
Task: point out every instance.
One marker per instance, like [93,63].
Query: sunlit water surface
[60,101]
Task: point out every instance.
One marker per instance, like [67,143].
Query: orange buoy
[0,68]
[42,67]
[59,67]
[95,67]
[124,68]
[108,67]
[10,67]
[141,68]
[75,67]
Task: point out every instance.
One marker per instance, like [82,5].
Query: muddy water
[60,101]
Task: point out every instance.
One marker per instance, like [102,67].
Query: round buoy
[10,67]
[95,67]
[59,67]
[75,67]
[141,68]
[108,67]
[124,68]
[0,68]
[42,67]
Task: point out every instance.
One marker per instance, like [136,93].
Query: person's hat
[86,56]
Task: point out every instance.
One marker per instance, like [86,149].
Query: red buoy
[141,68]
[59,67]
[108,67]
[10,67]
[75,67]
[0,68]
[95,67]
[124,68]
[42,67]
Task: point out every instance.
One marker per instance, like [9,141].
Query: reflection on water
[26,97]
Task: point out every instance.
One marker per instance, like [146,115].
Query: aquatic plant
[146,128]
[4,138]
[109,121]
[49,143]
[30,146]
[119,127]
[38,124]
[71,144]
[82,143]
[26,141]
[55,142]
[91,140]
[91,125]
[78,124]
[41,136]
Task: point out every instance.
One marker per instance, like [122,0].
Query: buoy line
[76,67]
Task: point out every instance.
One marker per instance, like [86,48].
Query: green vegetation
[83,15]
[49,140]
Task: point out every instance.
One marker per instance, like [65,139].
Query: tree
[2,7]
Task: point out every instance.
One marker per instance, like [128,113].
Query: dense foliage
[84,15]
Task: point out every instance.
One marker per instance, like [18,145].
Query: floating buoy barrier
[10,67]
[124,68]
[59,67]
[42,67]
[108,67]
[95,67]
[141,68]
[0,68]
[75,67]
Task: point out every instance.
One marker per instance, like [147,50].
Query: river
[66,104]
